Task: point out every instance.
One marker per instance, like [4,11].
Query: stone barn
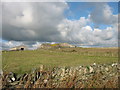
[19,48]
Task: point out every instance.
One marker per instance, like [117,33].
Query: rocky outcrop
[91,76]
[57,45]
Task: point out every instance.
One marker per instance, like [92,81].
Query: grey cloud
[32,21]
[103,14]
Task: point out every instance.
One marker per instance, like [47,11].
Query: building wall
[18,48]
[13,49]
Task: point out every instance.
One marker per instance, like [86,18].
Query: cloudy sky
[79,23]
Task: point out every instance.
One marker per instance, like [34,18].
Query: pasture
[24,61]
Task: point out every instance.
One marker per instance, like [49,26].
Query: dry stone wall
[92,76]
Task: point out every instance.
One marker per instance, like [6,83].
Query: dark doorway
[22,48]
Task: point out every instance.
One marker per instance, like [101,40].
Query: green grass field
[24,61]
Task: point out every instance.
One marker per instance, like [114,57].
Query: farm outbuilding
[19,48]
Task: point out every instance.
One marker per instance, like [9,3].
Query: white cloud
[9,44]
[36,45]
[85,35]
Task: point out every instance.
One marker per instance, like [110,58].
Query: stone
[63,72]
[14,83]
[106,69]
[45,81]
[41,68]
[94,64]
[91,69]
[13,79]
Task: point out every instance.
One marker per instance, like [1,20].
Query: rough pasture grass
[23,61]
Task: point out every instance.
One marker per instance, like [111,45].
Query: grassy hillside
[23,61]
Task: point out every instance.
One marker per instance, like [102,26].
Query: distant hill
[56,45]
